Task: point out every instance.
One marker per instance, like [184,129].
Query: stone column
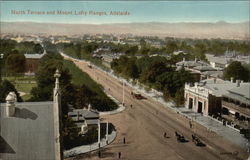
[107,129]
[99,133]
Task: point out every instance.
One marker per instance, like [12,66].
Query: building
[205,97]
[223,61]
[191,64]
[32,62]
[84,118]
[31,130]
[236,105]
[218,62]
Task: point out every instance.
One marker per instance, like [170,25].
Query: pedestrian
[124,140]
[119,155]
[99,154]
[193,137]
[165,134]
[190,124]
[131,105]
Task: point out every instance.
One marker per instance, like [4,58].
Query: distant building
[236,104]
[205,97]
[196,67]
[223,61]
[191,64]
[31,130]
[218,62]
[32,62]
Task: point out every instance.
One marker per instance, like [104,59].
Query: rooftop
[34,56]
[194,63]
[218,87]
[241,93]
[19,134]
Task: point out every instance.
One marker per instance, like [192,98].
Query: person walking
[99,154]
[119,155]
[165,134]
[190,124]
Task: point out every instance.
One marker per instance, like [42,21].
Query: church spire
[57,117]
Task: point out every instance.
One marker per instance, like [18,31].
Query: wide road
[143,127]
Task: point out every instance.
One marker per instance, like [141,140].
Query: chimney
[10,104]
[232,80]
[238,82]
[184,59]
[196,84]
[89,107]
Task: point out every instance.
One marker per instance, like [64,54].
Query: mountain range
[219,29]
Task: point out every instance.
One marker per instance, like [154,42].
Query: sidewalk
[88,148]
[216,126]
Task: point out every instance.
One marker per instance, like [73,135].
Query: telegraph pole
[123,92]
[107,132]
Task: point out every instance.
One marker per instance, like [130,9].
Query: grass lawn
[23,84]
[101,101]
[79,77]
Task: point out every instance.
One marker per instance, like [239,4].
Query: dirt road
[144,125]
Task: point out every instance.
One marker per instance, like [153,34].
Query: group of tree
[24,47]
[13,60]
[154,72]
[237,71]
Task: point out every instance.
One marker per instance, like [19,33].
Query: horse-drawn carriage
[197,140]
[180,137]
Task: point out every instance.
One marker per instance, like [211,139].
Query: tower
[57,118]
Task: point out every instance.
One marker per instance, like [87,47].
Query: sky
[140,11]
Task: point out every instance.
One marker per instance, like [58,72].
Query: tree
[5,88]
[171,47]
[38,49]
[78,51]
[237,71]
[15,63]
[83,96]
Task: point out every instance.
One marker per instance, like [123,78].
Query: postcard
[131,80]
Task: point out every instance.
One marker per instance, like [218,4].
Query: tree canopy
[6,87]
[237,71]
[15,63]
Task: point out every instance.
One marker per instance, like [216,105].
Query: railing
[236,108]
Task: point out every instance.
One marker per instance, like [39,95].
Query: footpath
[88,148]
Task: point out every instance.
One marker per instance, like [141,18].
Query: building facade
[205,97]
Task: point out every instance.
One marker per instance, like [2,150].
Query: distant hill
[219,29]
